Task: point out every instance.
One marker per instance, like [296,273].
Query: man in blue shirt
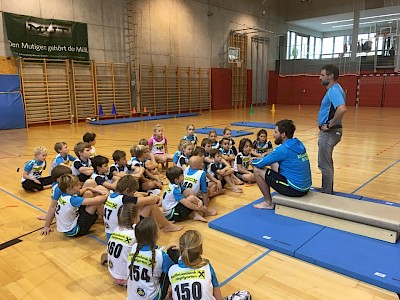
[294,176]
[331,112]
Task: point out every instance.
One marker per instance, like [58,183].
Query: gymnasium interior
[119,67]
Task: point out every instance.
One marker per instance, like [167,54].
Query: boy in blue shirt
[32,179]
[178,205]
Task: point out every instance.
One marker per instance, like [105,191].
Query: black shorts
[82,177]
[30,185]
[181,213]
[85,222]
[279,184]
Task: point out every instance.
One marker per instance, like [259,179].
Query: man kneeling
[294,176]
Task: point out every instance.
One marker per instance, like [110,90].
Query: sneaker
[240,295]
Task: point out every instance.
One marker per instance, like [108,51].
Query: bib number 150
[186,292]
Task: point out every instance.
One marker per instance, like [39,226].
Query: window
[327,47]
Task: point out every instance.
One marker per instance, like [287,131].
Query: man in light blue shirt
[294,176]
[331,112]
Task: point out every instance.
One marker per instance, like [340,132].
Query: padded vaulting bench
[370,219]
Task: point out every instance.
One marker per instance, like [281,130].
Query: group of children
[127,193]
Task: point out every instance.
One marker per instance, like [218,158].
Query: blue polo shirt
[334,97]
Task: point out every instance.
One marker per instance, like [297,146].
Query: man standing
[294,176]
[331,112]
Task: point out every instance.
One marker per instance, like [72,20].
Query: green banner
[46,38]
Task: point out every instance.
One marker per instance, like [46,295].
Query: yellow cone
[273,107]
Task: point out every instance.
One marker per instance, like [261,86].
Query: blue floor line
[20,199]
[375,177]
[38,208]
[244,268]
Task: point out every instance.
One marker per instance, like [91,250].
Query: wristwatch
[327,125]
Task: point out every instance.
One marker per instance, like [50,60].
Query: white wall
[193,33]
[105,19]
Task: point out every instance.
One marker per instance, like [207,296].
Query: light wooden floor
[55,267]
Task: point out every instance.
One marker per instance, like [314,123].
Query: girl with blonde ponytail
[193,277]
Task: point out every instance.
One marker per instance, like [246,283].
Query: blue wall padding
[9,83]
[265,228]
[12,113]
[220,132]
[138,119]
[360,257]
[255,124]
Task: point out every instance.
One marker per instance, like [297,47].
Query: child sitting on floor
[177,204]
[32,179]
[63,156]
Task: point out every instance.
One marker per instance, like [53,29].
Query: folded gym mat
[138,119]
[235,133]
[255,124]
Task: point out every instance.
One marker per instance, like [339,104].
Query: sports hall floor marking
[17,240]
[38,208]
[244,268]
[377,175]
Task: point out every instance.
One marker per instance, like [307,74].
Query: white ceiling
[382,17]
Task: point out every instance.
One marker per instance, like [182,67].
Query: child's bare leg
[89,183]
[154,211]
[230,181]
[236,180]
[160,158]
[148,185]
[198,217]
[209,212]
[249,177]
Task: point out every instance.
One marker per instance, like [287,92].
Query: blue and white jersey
[34,168]
[182,160]
[77,164]
[196,180]
[243,160]
[175,159]
[143,283]
[134,162]
[262,148]
[119,246]
[61,160]
[111,206]
[67,212]
[192,283]
[117,168]
[172,196]
[55,191]
[191,138]
[226,152]
[334,97]
[101,178]
[215,145]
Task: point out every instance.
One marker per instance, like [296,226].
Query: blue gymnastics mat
[138,119]
[363,258]
[255,124]
[267,229]
[235,133]
[366,259]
